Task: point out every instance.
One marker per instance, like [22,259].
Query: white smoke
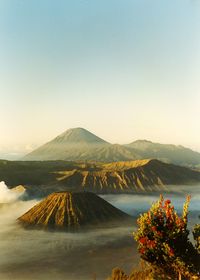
[7,195]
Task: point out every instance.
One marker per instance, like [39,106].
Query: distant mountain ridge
[165,152]
[80,144]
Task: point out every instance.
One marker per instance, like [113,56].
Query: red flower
[167,201]
[171,252]
[148,222]
[153,228]
[143,240]
[152,244]
[142,251]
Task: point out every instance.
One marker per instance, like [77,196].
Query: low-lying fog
[41,255]
[136,204]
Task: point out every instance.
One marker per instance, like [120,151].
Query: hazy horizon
[124,70]
[21,151]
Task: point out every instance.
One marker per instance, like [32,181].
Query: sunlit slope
[117,177]
[65,210]
[80,144]
[133,176]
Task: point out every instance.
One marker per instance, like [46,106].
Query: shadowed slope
[67,210]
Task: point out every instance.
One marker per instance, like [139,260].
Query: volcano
[73,144]
[66,210]
[79,144]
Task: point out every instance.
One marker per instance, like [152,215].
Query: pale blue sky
[124,70]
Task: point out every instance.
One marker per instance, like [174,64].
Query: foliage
[163,240]
[118,274]
[196,234]
[143,272]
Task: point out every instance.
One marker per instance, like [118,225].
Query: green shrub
[163,240]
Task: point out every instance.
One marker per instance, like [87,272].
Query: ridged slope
[67,210]
[44,177]
[140,175]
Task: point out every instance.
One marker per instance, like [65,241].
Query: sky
[124,70]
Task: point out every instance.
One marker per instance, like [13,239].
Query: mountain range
[128,176]
[44,177]
[82,145]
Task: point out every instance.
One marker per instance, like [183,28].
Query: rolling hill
[78,144]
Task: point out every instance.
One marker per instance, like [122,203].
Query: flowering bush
[163,239]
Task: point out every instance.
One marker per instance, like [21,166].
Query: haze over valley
[37,254]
